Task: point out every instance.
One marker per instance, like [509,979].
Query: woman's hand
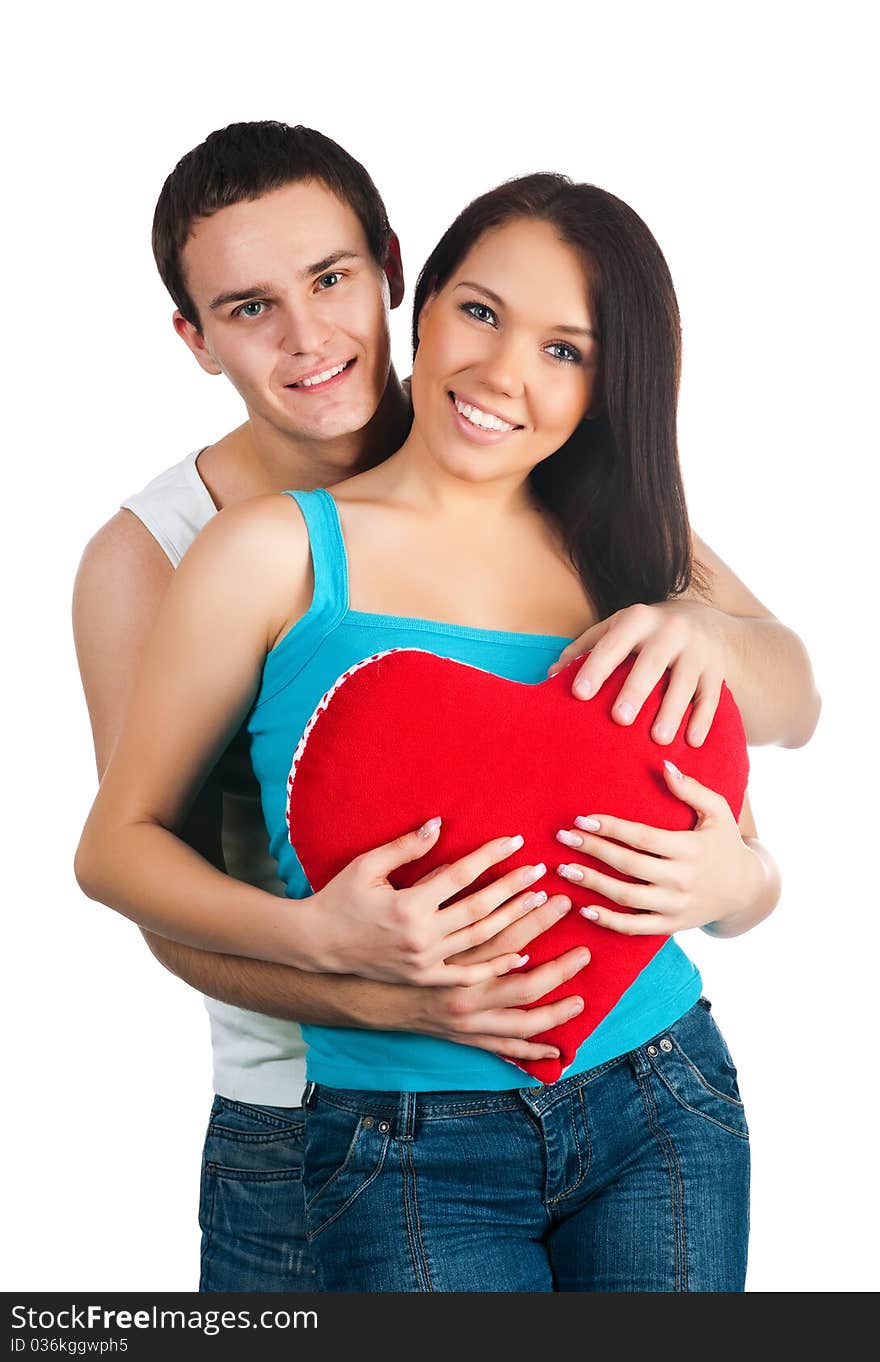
[679,636]
[689,878]
[360,924]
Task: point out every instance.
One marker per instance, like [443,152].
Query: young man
[276,249]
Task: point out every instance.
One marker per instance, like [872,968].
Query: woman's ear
[394,271]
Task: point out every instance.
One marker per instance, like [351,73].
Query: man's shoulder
[122,551]
[174,507]
[145,539]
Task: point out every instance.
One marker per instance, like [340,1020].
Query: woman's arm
[238,589]
[120,586]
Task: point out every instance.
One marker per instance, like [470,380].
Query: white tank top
[256,1058]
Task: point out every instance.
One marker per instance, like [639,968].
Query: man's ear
[195,341]
[394,271]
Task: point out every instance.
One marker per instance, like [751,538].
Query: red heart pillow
[405,735]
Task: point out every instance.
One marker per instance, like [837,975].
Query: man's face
[294,310]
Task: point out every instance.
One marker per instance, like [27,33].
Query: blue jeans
[633,1176]
[251,1210]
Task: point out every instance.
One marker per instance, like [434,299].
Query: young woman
[538,492]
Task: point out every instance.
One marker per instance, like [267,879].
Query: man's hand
[496,1015]
[681,637]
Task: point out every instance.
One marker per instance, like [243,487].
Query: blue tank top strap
[329,595]
[329,561]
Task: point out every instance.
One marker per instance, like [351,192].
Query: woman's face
[508,356]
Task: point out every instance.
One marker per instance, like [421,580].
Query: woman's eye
[479,311]
[566,353]
[251,309]
[329,280]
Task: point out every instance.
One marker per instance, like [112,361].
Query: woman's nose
[504,368]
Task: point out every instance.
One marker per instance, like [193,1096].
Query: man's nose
[305,331]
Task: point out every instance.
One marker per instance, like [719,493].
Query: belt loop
[406,1116]
[639,1061]
[308,1098]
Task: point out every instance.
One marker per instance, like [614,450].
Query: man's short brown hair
[243,162]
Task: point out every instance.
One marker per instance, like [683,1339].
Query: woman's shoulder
[259,525]
[261,545]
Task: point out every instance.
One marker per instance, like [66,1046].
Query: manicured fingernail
[590,913]
[551,671]
[625,711]
[583,689]
[428,829]
[570,872]
[564,906]
[520,961]
[534,872]
[535,900]
[574,1007]
[569,839]
[663,734]
[673,770]
[582,959]
[697,739]
[590,824]
[550,1054]
[512,844]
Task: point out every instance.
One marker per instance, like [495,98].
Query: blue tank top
[328,640]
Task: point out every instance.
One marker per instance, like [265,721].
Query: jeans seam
[411,1212]
[554,1201]
[208,1231]
[676,1191]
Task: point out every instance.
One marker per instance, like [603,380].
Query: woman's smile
[479,423]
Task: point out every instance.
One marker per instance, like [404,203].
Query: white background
[742,135]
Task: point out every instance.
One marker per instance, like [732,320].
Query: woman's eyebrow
[568,330]
[481,288]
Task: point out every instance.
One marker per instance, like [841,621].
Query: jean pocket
[695,1065]
[250,1143]
[344,1152]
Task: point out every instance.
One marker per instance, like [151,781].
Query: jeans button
[368,1123]
[666,1044]
[384,1127]
[652,1050]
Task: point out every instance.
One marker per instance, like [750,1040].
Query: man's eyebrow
[243,295]
[568,330]
[322,266]
[240,295]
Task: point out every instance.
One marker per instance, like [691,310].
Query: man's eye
[479,311]
[329,280]
[251,309]
[566,353]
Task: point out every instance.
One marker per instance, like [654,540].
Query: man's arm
[122,580]
[702,638]
[768,668]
